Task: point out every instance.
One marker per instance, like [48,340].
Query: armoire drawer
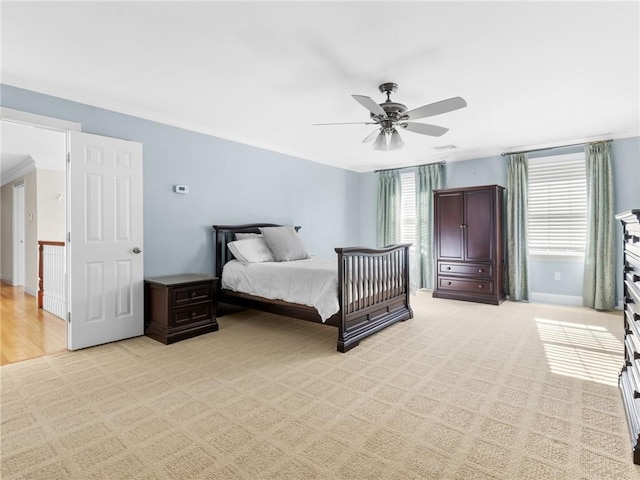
[466,285]
[466,269]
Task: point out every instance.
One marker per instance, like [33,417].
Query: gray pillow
[285,243]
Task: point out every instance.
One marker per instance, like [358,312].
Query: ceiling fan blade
[437,108]
[371,136]
[425,129]
[371,105]
[346,123]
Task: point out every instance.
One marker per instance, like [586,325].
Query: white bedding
[312,282]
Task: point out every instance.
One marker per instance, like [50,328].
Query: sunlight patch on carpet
[588,352]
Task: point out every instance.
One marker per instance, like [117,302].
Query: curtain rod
[504,154]
[442,162]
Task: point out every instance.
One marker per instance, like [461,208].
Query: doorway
[34,185]
[105,283]
[18,233]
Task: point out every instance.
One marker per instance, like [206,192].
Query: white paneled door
[105,247]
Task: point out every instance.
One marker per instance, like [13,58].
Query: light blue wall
[625,154]
[368,208]
[229,183]
[479,171]
[234,183]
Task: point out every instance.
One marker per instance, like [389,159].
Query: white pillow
[285,243]
[244,236]
[251,250]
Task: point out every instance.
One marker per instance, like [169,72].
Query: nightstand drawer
[198,292]
[464,285]
[191,314]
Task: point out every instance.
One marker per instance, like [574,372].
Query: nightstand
[178,307]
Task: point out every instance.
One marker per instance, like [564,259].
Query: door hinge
[68,237]
[69,317]
[68,157]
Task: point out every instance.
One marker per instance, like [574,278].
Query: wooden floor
[27,331]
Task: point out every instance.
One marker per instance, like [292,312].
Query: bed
[372,287]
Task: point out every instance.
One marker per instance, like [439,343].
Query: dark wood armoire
[469,244]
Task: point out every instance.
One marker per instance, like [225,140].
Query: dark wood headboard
[224,234]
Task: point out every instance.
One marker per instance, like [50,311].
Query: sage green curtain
[388,208]
[428,178]
[600,254]
[517,277]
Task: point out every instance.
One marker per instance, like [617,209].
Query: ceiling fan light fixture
[395,143]
[389,116]
[381,142]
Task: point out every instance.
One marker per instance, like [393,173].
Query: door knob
[136,250]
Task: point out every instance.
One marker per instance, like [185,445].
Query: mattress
[312,282]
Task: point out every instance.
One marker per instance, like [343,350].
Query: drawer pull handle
[481,270]
[481,286]
[448,268]
[193,294]
[193,314]
[448,283]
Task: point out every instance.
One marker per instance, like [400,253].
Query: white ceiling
[261,73]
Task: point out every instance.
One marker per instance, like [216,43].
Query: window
[557,214]
[408,208]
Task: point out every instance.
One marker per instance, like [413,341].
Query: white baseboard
[30,291]
[6,278]
[569,300]
[554,298]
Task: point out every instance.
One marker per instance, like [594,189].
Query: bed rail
[373,291]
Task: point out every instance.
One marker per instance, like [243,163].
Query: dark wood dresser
[469,244]
[179,307]
[629,380]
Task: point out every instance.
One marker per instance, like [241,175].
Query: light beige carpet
[461,391]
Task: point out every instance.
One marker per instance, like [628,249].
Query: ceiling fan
[391,116]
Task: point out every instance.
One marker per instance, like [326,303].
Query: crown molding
[32,119]
[20,170]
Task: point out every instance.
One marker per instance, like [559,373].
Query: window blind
[557,212]
[408,207]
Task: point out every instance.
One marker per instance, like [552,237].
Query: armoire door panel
[450,226]
[478,207]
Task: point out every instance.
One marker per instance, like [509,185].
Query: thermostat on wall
[181,189]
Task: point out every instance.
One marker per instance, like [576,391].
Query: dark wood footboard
[373,288]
